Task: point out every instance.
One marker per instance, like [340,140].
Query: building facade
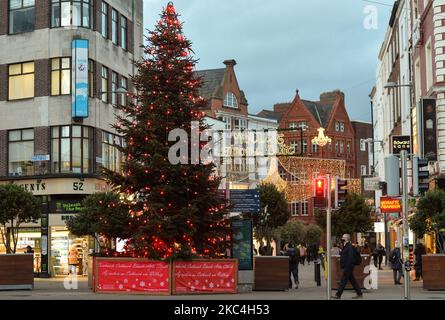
[363,137]
[64,65]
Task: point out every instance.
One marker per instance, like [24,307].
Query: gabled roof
[271,114]
[320,111]
[212,81]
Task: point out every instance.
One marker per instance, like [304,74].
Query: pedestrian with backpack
[395,258]
[293,264]
[349,258]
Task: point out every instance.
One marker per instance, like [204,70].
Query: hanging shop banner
[389,205]
[205,276]
[429,129]
[242,243]
[79,74]
[127,275]
[400,143]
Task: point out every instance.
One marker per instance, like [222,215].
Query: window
[114,17]
[304,146]
[294,145]
[342,147]
[60,76]
[240,124]
[348,148]
[20,152]
[21,16]
[124,32]
[342,126]
[112,157]
[292,125]
[304,208]
[113,88]
[302,125]
[104,20]
[283,175]
[429,65]
[21,81]
[230,100]
[77,13]
[337,126]
[362,145]
[104,84]
[363,170]
[227,121]
[314,148]
[91,78]
[336,146]
[71,149]
[295,208]
[124,85]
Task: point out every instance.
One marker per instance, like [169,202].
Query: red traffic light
[319,188]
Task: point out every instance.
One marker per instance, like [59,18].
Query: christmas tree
[175,209]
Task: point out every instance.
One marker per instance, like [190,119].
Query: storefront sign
[242,245]
[42,157]
[400,143]
[388,205]
[65,206]
[371,184]
[79,81]
[218,276]
[131,275]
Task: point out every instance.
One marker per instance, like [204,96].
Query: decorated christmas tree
[175,208]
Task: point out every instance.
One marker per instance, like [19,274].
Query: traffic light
[420,176]
[383,187]
[319,193]
[340,193]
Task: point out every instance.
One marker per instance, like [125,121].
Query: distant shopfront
[50,238]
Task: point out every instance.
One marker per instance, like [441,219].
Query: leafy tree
[354,215]
[176,210]
[313,234]
[274,213]
[293,231]
[102,214]
[430,217]
[17,206]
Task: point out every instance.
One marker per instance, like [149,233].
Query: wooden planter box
[271,273]
[142,276]
[16,271]
[433,267]
[359,272]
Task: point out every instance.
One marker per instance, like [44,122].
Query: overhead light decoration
[321,140]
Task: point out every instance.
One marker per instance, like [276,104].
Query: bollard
[317,273]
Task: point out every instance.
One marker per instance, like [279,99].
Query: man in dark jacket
[347,263]
[294,257]
[395,258]
[418,252]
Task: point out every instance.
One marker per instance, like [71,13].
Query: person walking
[349,258]
[396,264]
[321,255]
[380,253]
[73,261]
[302,254]
[293,255]
[418,252]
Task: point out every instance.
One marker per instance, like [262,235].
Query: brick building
[61,65]
[363,137]
[337,157]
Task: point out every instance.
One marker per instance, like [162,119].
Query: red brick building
[328,113]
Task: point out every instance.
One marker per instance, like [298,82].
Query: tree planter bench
[433,267]
[359,272]
[16,271]
[143,276]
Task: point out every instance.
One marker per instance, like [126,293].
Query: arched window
[230,100]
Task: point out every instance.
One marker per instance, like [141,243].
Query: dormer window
[230,100]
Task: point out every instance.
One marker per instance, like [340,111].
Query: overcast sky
[281,45]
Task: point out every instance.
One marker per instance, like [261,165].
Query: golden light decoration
[321,140]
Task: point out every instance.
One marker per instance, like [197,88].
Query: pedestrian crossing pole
[328,235]
[405,244]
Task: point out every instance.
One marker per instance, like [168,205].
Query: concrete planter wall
[16,271]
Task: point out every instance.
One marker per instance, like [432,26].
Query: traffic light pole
[405,256]
[328,235]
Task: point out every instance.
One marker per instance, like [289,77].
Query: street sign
[246,201]
[400,143]
[389,205]
[41,157]
[371,184]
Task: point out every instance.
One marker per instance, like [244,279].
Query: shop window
[60,76]
[77,13]
[124,32]
[20,152]
[114,17]
[230,100]
[104,19]
[21,16]
[112,157]
[21,81]
[104,84]
[71,149]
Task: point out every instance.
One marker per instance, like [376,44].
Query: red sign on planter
[127,275]
[205,276]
